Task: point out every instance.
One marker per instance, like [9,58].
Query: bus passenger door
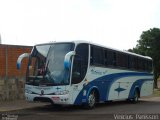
[79,69]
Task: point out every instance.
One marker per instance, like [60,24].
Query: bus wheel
[91,100]
[136,96]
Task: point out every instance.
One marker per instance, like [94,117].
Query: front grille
[43,99]
[43,94]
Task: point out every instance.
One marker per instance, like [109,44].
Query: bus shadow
[107,108]
[107,105]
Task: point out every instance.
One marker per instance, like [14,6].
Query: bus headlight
[62,92]
[28,91]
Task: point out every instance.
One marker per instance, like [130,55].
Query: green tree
[149,45]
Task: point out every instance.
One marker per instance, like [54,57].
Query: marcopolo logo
[98,72]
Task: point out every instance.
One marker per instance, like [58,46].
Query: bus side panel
[125,87]
[147,88]
[115,84]
[141,84]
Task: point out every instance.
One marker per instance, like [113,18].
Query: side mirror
[20,58]
[67,59]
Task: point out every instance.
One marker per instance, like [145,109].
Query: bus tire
[135,98]
[91,100]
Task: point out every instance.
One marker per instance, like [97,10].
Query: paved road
[148,108]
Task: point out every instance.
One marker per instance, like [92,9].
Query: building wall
[12,80]
[8,58]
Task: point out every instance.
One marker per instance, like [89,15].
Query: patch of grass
[156,92]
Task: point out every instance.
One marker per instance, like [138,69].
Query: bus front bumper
[55,99]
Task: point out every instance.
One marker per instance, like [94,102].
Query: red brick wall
[8,58]
[2,60]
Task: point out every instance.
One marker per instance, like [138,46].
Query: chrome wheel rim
[136,97]
[91,100]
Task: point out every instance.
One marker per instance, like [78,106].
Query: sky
[114,23]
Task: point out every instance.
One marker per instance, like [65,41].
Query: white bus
[82,73]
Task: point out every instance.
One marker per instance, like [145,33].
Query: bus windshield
[46,65]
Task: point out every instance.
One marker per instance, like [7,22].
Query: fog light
[84,93]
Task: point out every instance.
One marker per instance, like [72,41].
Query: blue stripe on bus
[108,80]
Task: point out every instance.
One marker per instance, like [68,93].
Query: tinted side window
[105,57]
[141,64]
[131,62]
[122,60]
[149,65]
[111,58]
[97,56]
[80,63]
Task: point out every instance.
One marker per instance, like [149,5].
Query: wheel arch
[96,91]
[138,90]
[132,91]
